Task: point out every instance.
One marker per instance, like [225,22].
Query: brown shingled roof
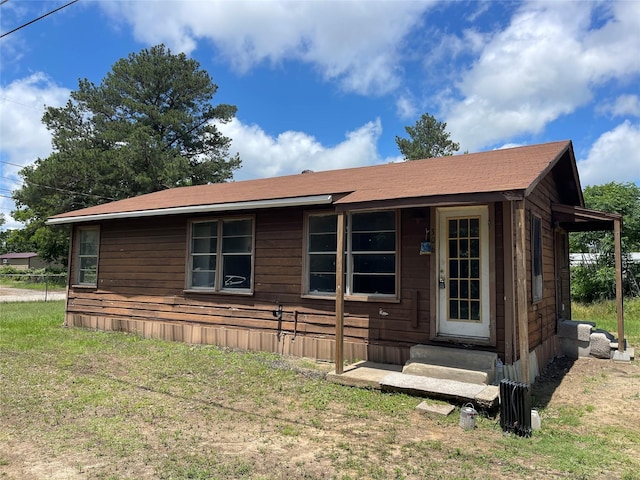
[514,169]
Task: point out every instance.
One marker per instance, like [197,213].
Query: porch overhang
[578,219]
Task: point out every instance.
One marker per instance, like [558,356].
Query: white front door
[463,272]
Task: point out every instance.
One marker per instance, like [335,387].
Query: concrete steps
[457,375]
[462,365]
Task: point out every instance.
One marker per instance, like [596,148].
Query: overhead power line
[12,164]
[62,190]
[39,18]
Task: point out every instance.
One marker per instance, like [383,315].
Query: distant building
[22,261]
[591,258]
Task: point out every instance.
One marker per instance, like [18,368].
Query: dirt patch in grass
[127,408]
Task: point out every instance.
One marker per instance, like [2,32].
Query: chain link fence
[32,286]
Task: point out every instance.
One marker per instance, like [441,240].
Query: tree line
[151,125]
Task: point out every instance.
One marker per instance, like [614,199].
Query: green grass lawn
[94,405]
[604,315]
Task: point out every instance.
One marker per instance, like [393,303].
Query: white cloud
[24,137]
[545,64]
[292,152]
[622,106]
[356,43]
[406,107]
[615,156]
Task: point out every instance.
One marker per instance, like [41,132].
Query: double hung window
[221,255]
[88,239]
[370,254]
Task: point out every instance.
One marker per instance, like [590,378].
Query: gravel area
[8,294]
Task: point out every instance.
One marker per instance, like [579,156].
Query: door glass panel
[464,228]
[453,228]
[453,288]
[453,248]
[474,227]
[475,311]
[453,268]
[464,269]
[464,289]
[464,310]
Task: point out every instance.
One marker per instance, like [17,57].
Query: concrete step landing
[485,396]
[390,378]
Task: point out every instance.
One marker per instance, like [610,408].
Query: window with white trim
[88,239]
[536,258]
[221,255]
[370,254]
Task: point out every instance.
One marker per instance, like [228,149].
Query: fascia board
[218,207]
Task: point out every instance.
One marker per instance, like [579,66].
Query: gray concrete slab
[428,386]
[363,374]
[435,408]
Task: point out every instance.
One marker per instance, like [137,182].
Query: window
[221,255]
[536,258]
[370,254]
[321,259]
[87,260]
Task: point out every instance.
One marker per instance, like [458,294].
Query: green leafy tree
[596,280]
[3,235]
[427,139]
[148,126]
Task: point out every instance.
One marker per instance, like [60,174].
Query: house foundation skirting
[539,357]
[284,343]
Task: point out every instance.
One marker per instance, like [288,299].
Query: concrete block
[575,349]
[622,357]
[600,343]
[415,367]
[488,398]
[575,329]
[454,357]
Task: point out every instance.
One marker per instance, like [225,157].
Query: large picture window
[221,255]
[370,254]
[88,239]
[536,258]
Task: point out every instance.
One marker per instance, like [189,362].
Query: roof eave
[568,149]
[193,209]
[432,200]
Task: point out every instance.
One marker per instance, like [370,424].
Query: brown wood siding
[498,280]
[141,279]
[542,314]
[145,256]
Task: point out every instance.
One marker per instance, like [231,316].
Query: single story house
[22,261]
[467,252]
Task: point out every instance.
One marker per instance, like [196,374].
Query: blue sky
[329,84]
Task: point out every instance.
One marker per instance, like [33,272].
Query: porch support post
[509,285]
[521,281]
[617,227]
[340,295]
